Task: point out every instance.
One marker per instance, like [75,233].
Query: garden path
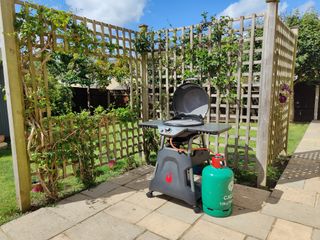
[119,209]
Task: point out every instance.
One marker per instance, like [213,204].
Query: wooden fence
[285,47]
[259,122]
[167,65]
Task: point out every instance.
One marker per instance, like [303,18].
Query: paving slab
[295,195]
[312,184]
[163,225]
[291,184]
[100,189]
[251,238]
[61,236]
[149,236]
[103,226]
[318,201]
[143,170]
[299,171]
[140,199]
[248,197]
[141,183]
[117,195]
[246,221]
[209,231]
[127,211]
[316,234]
[179,210]
[3,236]
[38,225]
[79,209]
[292,211]
[283,229]
[75,198]
[125,178]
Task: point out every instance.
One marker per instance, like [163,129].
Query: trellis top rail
[200,24]
[37,6]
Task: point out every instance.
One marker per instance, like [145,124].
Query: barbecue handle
[190,80]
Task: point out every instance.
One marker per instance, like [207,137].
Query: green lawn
[8,207]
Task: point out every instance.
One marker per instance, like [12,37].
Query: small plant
[124,114]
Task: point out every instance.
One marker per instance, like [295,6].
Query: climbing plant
[56,51]
[215,54]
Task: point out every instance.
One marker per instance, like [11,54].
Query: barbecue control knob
[168,129]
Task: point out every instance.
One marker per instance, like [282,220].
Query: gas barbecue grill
[173,173]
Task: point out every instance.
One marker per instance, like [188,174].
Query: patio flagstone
[292,211]
[295,195]
[289,230]
[316,234]
[125,178]
[60,237]
[248,197]
[38,225]
[246,221]
[179,210]
[209,231]
[313,184]
[139,198]
[3,236]
[163,225]
[100,189]
[149,236]
[127,211]
[79,210]
[103,226]
[117,195]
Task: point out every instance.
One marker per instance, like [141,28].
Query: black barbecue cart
[173,174]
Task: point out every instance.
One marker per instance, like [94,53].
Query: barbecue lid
[190,99]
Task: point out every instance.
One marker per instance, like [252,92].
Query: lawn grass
[71,185]
[296,132]
[8,206]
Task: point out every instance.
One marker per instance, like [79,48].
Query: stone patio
[119,209]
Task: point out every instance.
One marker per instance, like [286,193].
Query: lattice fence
[111,139]
[167,65]
[153,79]
[285,51]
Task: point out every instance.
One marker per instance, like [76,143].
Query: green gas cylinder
[217,186]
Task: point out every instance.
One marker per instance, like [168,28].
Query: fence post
[144,88]
[267,75]
[14,92]
[144,79]
[316,102]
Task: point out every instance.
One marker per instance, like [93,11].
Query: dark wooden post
[144,78]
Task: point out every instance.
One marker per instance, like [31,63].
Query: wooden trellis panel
[166,68]
[285,52]
[112,140]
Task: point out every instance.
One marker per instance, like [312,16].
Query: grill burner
[173,173]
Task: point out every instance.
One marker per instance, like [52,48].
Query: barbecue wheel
[197,209]
[149,194]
